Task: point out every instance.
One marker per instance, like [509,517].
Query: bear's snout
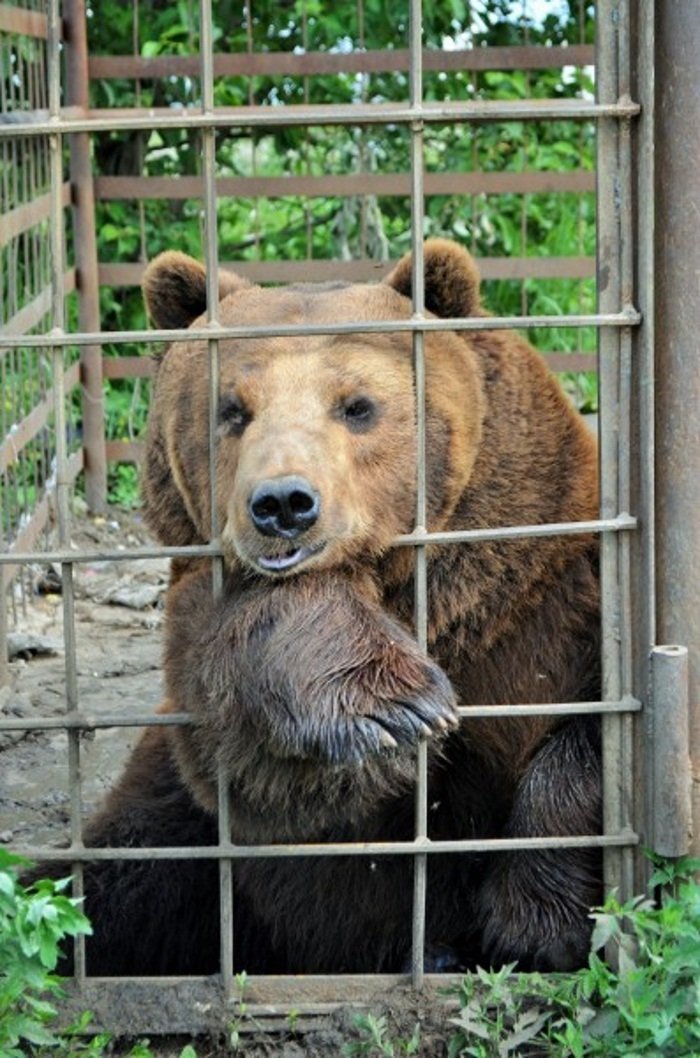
[285,506]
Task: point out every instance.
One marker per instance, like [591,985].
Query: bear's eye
[232,415]
[358,413]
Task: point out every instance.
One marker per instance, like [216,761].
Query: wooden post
[83,198]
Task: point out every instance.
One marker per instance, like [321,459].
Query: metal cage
[646,749]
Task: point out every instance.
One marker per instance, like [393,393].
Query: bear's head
[315,435]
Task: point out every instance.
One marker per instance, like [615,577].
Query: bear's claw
[383,724]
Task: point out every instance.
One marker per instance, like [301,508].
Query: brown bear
[305,681]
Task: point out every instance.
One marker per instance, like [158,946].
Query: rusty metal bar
[671,776]
[83,722]
[84,854]
[125,451]
[31,316]
[273,64]
[21,433]
[85,249]
[628,317]
[677,326]
[144,367]
[296,115]
[22,22]
[469,183]
[131,274]
[128,367]
[22,218]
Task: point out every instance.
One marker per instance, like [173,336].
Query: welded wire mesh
[40,359]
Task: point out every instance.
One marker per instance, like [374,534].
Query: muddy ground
[118,624]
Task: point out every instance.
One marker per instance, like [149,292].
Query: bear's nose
[286,506]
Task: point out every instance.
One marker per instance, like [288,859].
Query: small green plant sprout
[234,1032]
[33,922]
[293,1016]
[376,1042]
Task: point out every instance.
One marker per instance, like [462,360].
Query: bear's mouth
[289,560]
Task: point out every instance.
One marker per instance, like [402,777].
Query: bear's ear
[175,289]
[451,279]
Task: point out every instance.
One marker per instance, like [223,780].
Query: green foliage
[33,922]
[298,227]
[123,485]
[375,1039]
[643,999]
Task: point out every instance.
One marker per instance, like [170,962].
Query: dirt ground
[118,616]
[118,622]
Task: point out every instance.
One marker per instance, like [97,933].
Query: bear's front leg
[310,668]
[535,905]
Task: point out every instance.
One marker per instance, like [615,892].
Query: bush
[643,1001]
[33,922]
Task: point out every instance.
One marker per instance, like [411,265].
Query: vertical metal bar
[627,250]
[206,44]
[672,818]
[609,192]
[85,249]
[62,478]
[420,864]
[677,323]
[643,542]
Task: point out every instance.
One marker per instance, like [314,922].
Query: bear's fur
[306,685]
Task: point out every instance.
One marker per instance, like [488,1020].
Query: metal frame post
[677,323]
[83,198]
[642,544]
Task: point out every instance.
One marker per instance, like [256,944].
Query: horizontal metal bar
[30,532]
[357,114]
[225,850]
[87,722]
[20,434]
[620,523]
[629,317]
[13,330]
[131,274]
[22,22]
[145,367]
[309,63]
[130,188]
[26,216]
[624,705]
[623,522]
[125,451]
[128,367]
